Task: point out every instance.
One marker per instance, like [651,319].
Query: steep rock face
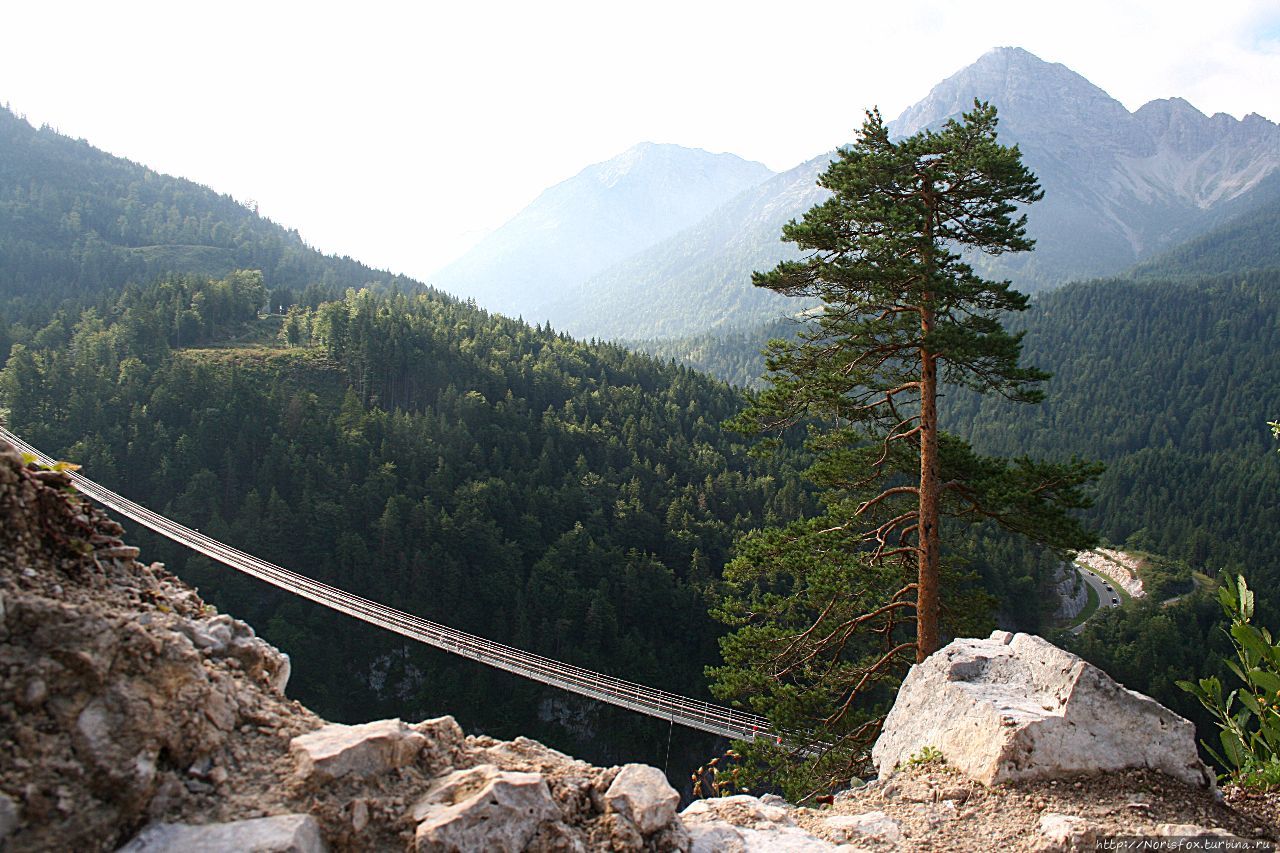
[1071,592]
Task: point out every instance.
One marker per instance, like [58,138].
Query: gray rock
[1016,707]
[293,833]
[642,794]
[482,808]
[1060,833]
[453,788]
[370,749]
[35,693]
[871,825]
[9,816]
[221,636]
[443,737]
[1070,590]
[359,815]
[1191,830]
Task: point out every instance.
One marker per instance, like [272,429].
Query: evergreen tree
[902,312]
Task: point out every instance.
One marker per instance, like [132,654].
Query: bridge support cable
[678,709]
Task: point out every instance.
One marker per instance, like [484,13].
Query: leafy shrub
[1250,733]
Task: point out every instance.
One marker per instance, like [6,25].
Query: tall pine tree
[902,315]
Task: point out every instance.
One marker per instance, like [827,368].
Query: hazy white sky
[398,133]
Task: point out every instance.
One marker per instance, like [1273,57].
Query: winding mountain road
[1107,596]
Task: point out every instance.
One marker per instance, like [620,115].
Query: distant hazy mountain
[699,278]
[603,214]
[1120,187]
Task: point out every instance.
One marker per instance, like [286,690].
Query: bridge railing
[689,712]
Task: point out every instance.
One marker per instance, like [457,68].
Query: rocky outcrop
[1018,707]
[483,808]
[1117,565]
[121,694]
[363,751]
[220,636]
[642,795]
[1071,592]
[746,824]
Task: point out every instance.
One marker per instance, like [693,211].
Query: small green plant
[926,755]
[1249,733]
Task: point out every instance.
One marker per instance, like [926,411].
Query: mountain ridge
[1120,186]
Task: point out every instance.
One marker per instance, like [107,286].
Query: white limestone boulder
[292,833]
[482,808]
[745,824]
[642,794]
[370,749]
[1014,706]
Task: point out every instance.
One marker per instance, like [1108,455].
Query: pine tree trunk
[927,582]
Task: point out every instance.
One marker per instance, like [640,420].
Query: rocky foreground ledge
[134,716]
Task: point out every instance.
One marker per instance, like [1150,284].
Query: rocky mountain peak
[1175,123]
[1033,96]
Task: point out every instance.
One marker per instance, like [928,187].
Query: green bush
[1249,733]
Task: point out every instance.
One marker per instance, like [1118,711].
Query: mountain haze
[585,224]
[1119,187]
[699,278]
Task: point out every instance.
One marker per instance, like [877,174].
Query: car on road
[1115,602]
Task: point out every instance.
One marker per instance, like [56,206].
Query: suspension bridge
[677,709]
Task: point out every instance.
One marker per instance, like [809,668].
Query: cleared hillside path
[647,700]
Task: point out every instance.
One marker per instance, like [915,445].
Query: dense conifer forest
[571,500]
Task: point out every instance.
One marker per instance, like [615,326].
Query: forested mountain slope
[571,500]
[1171,384]
[76,222]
